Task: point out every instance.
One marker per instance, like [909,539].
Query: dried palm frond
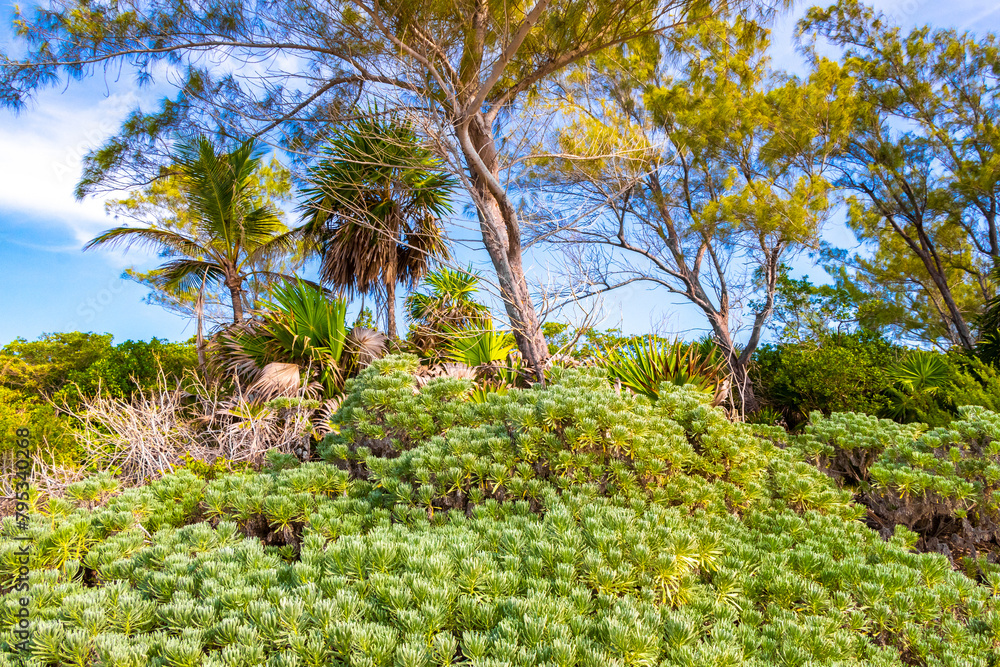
[365,346]
[322,418]
[276,379]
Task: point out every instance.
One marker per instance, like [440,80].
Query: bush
[837,373]
[564,525]
[62,366]
[51,432]
[941,483]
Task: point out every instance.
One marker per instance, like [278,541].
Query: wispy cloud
[44,148]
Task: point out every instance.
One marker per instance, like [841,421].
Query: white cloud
[44,148]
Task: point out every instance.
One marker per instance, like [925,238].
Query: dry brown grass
[152,434]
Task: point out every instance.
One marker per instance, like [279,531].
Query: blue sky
[48,284]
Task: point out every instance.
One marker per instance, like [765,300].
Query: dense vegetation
[41,380]
[566,524]
[290,490]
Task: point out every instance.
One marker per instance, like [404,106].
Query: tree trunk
[745,399]
[502,238]
[390,308]
[237,295]
[200,314]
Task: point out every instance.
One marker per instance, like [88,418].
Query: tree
[163,204]
[699,172]
[372,206]
[922,163]
[233,232]
[470,68]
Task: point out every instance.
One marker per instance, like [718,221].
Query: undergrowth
[561,525]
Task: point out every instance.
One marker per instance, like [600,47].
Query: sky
[48,284]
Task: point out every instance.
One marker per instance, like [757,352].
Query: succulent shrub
[940,482]
[568,524]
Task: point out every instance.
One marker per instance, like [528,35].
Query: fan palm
[643,364]
[373,207]
[234,234]
[301,329]
[447,305]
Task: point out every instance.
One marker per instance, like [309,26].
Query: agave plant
[643,364]
[301,326]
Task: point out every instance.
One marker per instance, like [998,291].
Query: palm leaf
[149,238]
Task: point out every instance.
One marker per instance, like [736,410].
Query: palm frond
[149,238]
[644,364]
[187,274]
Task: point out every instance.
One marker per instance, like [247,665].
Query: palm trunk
[200,314]
[390,309]
[237,295]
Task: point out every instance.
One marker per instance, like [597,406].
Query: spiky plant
[301,326]
[478,346]
[643,364]
[917,379]
[447,304]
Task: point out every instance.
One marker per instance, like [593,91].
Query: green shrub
[941,483]
[50,432]
[64,365]
[560,525]
[837,373]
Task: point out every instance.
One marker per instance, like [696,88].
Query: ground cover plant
[570,524]
[940,482]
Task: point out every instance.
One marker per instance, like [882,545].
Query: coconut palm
[234,233]
[373,208]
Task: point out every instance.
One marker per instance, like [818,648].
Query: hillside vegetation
[569,524]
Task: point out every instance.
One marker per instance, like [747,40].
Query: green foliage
[643,365]
[60,365]
[372,208]
[301,326]
[922,255]
[163,204]
[479,345]
[50,431]
[766,416]
[211,470]
[42,367]
[447,305]
[917,378]
[235,234]
[66,366]
[941,483]
[566,525]
[835,373]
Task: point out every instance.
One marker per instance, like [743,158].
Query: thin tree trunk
[739,364]
[390,309]
[200,313]
[237,295]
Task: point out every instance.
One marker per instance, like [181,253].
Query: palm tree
[373,207]
[447,305]
[234,233]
